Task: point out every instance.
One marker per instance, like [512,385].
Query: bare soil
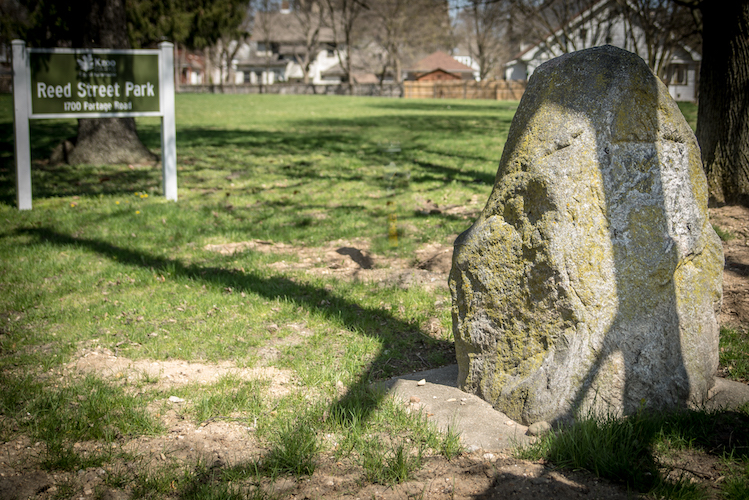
[734,220]
[225,442]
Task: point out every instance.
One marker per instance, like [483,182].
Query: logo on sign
[89,65]
[86,63]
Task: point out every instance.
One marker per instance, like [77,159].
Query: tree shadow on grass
[454,105]
[394,333]
[273,144]
[427,134]
[52,181]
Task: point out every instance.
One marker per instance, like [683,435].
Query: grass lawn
[104,262]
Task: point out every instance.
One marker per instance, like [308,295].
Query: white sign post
[168,125]
[92,83]
[21,86]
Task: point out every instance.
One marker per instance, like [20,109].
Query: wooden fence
[500,90]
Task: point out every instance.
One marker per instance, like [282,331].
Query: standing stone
[591,281]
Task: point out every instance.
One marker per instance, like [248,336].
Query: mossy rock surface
[592,278]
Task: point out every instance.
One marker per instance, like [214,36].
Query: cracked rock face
[591,281]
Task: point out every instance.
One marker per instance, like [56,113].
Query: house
[604,23]
[463,57]
[277,50]
[191,67]
[439,66]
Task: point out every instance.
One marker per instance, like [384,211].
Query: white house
[469,61]
[276,51]
[601,24]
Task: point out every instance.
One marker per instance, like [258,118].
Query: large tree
[723,114]
[311,18]
[217,27]
[406,29]
[89,24]
[121,24]
[485,26]
[344,16]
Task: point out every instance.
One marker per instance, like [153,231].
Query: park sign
[78,83]
[92,83]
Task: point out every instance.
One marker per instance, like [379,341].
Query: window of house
[583,35]
[677,74]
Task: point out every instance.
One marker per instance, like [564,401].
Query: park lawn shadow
[61,180]
[425,137]
[273,143]
[455,105]
[377,323]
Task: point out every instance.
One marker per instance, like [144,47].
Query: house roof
[336,70]
[440,60]
[362,78]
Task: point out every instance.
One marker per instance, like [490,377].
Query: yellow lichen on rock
[590,280]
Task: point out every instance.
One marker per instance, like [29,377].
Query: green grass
[77,410]
[723,234]
[689,110]
[390,465]
[104,261]
[643,451]
[734,353]
[295,448]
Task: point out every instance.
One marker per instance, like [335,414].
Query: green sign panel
[94,82]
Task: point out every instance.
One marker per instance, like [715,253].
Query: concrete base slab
[481,427]
[727,395]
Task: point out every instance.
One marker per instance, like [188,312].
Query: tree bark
[723,115]
[106,140]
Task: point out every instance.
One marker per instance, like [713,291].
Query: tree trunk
[723,115]
[106,140]
[177,67]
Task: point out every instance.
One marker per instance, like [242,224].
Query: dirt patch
[352,260]
[221,443]
[471,476]
[167,374]
[735,221]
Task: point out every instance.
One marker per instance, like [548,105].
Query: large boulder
[591,281]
